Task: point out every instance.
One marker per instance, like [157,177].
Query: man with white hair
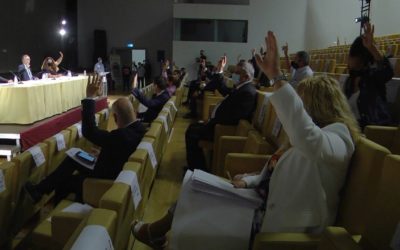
[239,103]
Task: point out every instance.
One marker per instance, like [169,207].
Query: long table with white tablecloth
[36,100]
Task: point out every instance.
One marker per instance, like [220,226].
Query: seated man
[24,69]
[156,103]
[116,147]
[171,88]
[299,68]
[239,103]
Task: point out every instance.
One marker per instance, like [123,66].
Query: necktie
[29,73]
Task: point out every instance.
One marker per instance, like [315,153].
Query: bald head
[124,114]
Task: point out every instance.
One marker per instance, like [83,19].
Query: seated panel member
[156,103]
[239,103]
[116,147]
[50,66]
[24,69]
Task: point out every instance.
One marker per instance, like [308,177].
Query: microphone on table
[67,70]
[15,76]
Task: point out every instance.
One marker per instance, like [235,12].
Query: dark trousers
[64,181]
[193,86]
[194,153]
[126,81]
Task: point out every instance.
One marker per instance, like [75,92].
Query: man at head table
[24,70]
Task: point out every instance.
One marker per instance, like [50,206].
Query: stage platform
[26,136]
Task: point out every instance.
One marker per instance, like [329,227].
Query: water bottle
[84,72]
[69,73]
[15,79]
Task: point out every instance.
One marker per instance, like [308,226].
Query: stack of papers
[214,185]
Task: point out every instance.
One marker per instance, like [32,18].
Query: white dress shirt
[300,74]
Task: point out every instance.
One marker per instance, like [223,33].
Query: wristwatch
[282,77]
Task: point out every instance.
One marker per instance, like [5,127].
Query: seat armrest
[64,224]
[221,130]
[381,135]
[226,145]
[94,189]
[240,163]
[284,241]
[337,238]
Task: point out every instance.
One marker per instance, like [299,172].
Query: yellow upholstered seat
[7,200]
[388,137]
[57,156]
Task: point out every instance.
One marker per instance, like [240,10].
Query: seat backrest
[395,149]
[243,128]
[361,186]
[7,198]
[262,111]
[104,118]
[75,140]
[56,156]
[255,144]
[157,132]
[385,216]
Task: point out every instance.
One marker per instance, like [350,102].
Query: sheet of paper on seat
[142,108]
[163,118]
[2,182]
[76,208]
[72,154]
[214,185]
[199,217]
[60,141]
[395,244]
[264,109]
[149,148]
[130,178]
[79,128]
[106,113]
[93,237]
[277,127]
[38,156]
[168,111]
[173,105]
[97,119]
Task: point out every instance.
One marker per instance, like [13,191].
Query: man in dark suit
[156,103]
[116,147]
[24,70]
[239,103]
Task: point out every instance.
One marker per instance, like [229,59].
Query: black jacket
[154,105]
[371,103]
[116,146]
[238,104]
[23,73]
[3,80]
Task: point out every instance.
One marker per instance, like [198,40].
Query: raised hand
[368,36]
[221,63]
[270,64]
[61,54]
[94,86]
[253,52]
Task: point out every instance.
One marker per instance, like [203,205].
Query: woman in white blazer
[308,174]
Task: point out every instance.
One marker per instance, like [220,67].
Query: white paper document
[168,111]
[76,208]
[142,108]
[79,128]
[163,118]
[173,105]
[130,178]
[72,154]
[60,142]
[2,182]
[93,237]
[37,155]
[149,148]
[201,216]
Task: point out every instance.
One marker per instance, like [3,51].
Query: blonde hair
[326,103]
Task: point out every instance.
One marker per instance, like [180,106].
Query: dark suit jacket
[238,104]
[154,105]
[22,73]
[116,146]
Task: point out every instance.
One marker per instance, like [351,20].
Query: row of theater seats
[112,202]
[373,175]
[334,59]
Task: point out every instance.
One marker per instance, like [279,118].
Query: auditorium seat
[165,119]
[253,144]
[382,220]
[210,98]
[104,116]
[97,217]
[76,140]
[57,156]
[28,171]
[7,200]
[388,137]
[158,134]
[357,199]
